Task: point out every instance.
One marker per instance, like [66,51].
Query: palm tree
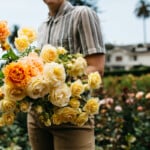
[142,10]
[91,3]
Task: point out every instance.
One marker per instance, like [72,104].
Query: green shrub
[15,137]
[123,122]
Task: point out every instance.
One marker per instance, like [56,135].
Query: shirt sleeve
[90,32]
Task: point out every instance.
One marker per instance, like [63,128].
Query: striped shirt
[76,28]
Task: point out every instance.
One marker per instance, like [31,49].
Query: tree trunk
[144,31]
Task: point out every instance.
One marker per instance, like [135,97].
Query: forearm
[96,63]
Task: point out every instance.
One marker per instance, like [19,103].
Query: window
[108,58]
[134,58]
[118,58]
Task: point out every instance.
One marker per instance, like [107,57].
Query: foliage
[143,9]
[15,137]
[90,3]
[137,71]
[124,119]
[129,82]
[109,46]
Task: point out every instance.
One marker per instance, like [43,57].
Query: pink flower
[118,108]
[140,108]
[131,95]
[109,100]
[130,101]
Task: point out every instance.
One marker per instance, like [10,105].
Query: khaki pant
[59,138]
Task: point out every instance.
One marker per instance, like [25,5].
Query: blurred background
[123,122]
[119,21]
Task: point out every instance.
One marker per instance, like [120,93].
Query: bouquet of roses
[50,80]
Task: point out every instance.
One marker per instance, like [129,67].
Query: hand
[95,62]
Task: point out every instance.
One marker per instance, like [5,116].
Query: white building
[126,57]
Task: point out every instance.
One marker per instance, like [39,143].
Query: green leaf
[12,55]
[5,56]
[1,75]
[130,138]
[1,78]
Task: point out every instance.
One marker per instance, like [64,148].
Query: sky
[118,21]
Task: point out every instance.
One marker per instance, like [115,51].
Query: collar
[64,8]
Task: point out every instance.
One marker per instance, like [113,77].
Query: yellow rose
[67,114]
[77,88]
[14,93]
[60,96]
[78,67]
[56,119]
[49,53]
[30,33]
[38,109]
[61,50]
[81,119]
[54,74]
[2,123]
[74,103]
[8,118]
[21,43]
[41,118]
[92,106]
[47,123]
[8,105]
[37,87]
[94,80]
[24,106]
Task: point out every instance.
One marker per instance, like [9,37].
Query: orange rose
[4,31]
[1,93]
[16,74]
[34,65]
[5,45]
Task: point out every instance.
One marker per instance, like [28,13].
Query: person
[77,29]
